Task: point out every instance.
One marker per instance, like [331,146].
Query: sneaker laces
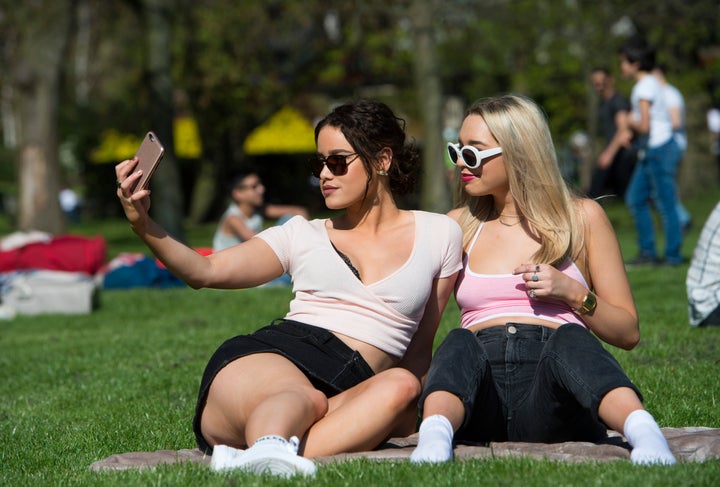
[293,444]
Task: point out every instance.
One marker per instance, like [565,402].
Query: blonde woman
[542,274]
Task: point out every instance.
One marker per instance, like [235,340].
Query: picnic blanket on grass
[688,444]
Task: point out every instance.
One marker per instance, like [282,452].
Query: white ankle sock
[435,443]
[644,435]
[274,440]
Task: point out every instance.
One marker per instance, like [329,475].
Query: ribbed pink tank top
[483,297]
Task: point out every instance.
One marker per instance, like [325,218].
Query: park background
[236,85]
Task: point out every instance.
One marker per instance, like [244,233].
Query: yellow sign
[286,132]
[116,146]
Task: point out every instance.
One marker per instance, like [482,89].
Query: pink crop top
[482,297]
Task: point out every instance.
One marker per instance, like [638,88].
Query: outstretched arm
[246,265]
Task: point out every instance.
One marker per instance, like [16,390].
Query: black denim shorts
[330,365]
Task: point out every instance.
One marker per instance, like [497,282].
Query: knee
[316,400]
[400,388]
[567,336]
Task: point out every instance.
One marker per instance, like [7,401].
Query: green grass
[76,389]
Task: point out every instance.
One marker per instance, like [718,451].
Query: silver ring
[531,294]
[535,278]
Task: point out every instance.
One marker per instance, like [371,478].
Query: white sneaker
[225,458]
[269,454]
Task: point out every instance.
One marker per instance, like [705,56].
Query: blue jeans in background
[654,178]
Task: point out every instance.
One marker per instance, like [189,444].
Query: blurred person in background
[703,276]
[676,105]
[654,179]
[713,124]
[616,161]
[245,216]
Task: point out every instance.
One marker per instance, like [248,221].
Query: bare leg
[258,395]
[361,417]
[617,405]
[445,404]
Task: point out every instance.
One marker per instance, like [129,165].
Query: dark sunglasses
[472,157]
[336,163]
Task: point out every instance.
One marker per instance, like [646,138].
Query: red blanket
[64,253]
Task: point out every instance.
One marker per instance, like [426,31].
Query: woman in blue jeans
[542,277]
[655,176]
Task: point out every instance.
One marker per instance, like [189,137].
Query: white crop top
[384,314]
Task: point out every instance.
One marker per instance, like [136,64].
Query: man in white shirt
[676,107]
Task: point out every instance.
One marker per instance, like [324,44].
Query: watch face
[589,303]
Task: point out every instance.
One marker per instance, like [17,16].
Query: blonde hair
[540,193]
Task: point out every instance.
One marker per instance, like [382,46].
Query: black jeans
[522,382]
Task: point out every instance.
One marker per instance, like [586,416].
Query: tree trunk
[167,196]
[435,195]
[36,73]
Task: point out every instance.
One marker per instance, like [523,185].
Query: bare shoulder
[592,212]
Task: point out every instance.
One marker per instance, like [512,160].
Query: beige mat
[689,444]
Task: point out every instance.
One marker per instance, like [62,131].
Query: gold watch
[588,304]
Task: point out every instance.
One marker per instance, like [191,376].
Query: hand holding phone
[149,153]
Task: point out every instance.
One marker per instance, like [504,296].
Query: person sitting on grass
[702,282]
[341,371]
[245,216]
[542,273]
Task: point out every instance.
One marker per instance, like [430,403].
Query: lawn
[76,389]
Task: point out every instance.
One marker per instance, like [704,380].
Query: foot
[687,226]
[435,442]
[674,261]
[225,458]
[646,456]
[649,446]
[269,454]
[643,260]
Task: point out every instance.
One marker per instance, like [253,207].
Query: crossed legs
[266,394]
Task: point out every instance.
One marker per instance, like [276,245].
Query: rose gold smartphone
[150,153]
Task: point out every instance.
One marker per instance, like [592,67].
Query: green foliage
[237,63]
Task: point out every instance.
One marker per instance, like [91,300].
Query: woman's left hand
[543,281]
